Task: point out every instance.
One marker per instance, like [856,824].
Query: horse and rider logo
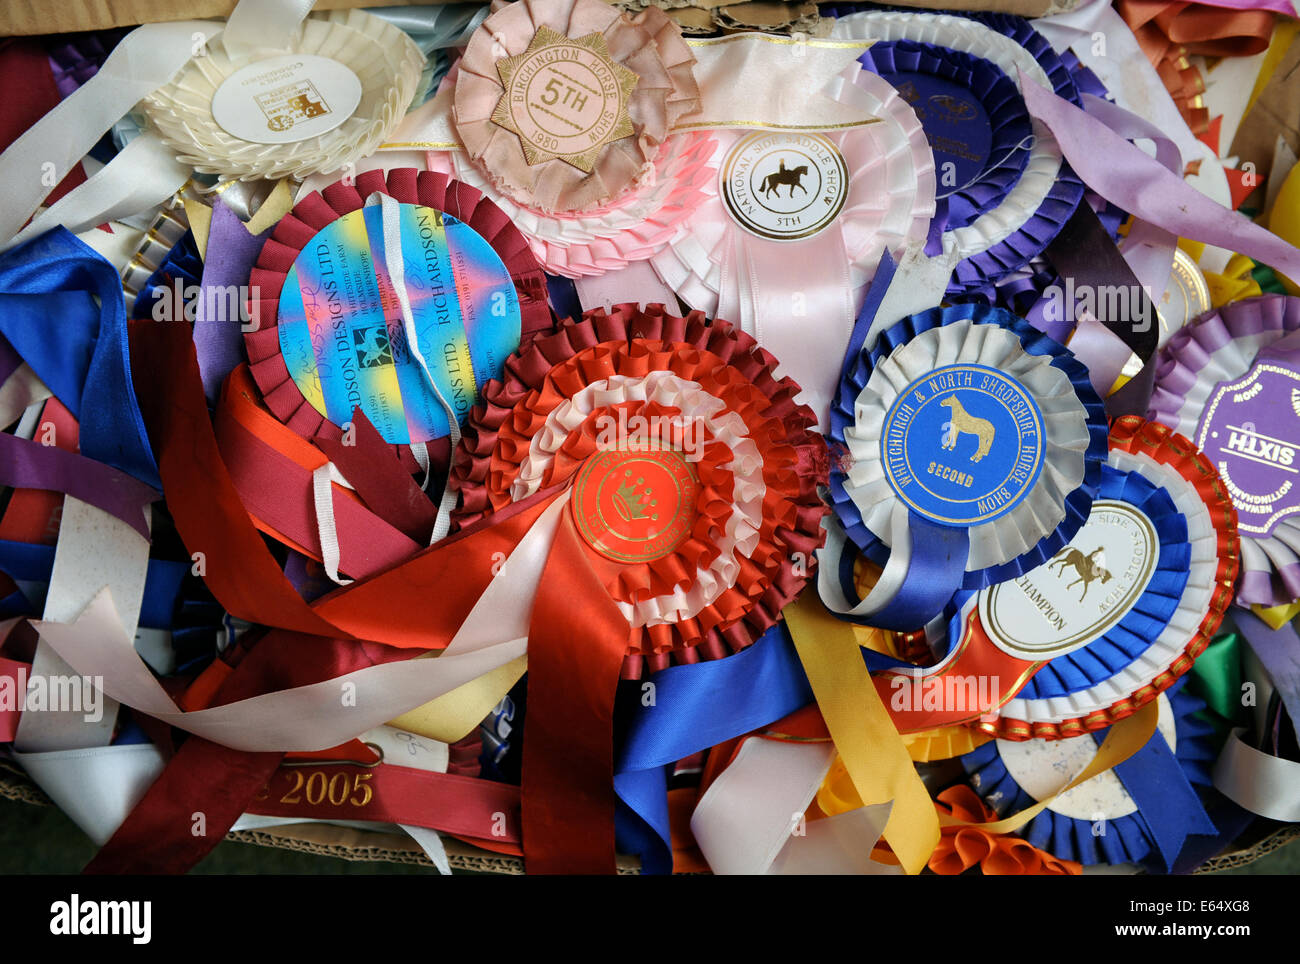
[964,423]
[790,177]
[1088,568]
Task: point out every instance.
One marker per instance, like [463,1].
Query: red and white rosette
[629,81]
[693,473]
[320,209]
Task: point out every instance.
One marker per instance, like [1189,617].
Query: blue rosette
[1045,195]
[968,450]
[973,116]
[1142,811]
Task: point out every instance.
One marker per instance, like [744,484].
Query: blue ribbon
[26,562]
[78,348]
[1172,810]
[695,707]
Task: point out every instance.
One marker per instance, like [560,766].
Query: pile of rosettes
[655,436]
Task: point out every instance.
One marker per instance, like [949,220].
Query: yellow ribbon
[453,715]
[1124,739]
[873,753]
[1277,616]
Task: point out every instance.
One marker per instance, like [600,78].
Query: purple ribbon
[30,465]
[231,252]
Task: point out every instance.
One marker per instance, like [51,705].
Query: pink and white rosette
[795,279]
[1231,383]
[650,45]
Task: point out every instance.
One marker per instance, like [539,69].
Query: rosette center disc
[963,444]
[784,187]
[635,505]
[1082,593]
[342,333]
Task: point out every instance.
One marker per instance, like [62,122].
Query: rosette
[973,117]
[1141,809]
[564,104]
[634,227]
[1044,195]
[330,334]
[1230,382]
[971,450]
[693,472]
[796,227]
[339,85]
[1121,613]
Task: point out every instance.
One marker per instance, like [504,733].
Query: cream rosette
[1047,190]
[366,52]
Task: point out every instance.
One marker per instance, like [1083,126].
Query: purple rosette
[1231,383]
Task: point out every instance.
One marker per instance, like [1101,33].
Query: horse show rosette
[326,99]
[564,104]
[1117,616]
[1141,811]
[969,451]
[694,473]
[330,335]
[1230,382]
[1024,209]
[792,233]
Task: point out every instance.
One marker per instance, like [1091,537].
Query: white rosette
[383,58]
[1065,430]
[890,199]
[974,38]
[1186,623]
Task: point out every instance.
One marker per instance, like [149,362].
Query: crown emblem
[629,500]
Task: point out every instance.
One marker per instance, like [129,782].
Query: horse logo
[1090,568]
[791,178]
[965,423]
[951,109]
[373,348]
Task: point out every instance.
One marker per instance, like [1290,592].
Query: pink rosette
[756,518]
[635,227]
[650,45]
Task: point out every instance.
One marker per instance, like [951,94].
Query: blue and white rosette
[1142,810]
[969,450]
[1038,203]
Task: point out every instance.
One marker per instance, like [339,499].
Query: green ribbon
[1216,678]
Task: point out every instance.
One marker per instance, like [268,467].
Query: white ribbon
[308,717]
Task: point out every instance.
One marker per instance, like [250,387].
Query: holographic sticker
[341,329]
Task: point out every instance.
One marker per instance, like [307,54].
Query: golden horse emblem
[1089,568]
[790,177]
[964,423]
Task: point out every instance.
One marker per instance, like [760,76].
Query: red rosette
[759,461]
[317,210]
